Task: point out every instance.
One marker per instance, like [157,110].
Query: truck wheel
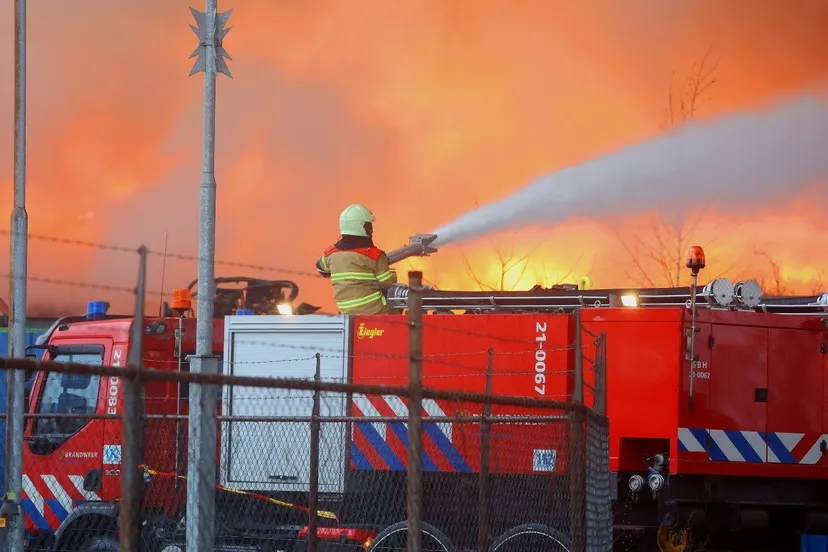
[530,538]
[394,537]
[100,543]
[671,540]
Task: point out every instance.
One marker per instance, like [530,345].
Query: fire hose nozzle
[423,241]
[419,245]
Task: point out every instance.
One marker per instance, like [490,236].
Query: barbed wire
[369,385]
[433,358]
[445,375]
[396,356]
[427,324]
[152,375]
[75,283]
[337,352]
[168,255]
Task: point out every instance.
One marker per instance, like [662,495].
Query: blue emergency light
[244,312]
[96,310]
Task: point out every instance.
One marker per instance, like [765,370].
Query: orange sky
[417,108]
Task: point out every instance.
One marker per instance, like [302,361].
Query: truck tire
[530,538]
[100,543]
[394,537]
[671,540]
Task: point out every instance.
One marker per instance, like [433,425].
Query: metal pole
[313,499]
[576,467]
[578,376]
[132,481]
[16,379]
[483,490]
[201,453]
[415,382]
[601,375]
[691,350]
[207,197]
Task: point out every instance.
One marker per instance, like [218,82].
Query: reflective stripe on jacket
[360,278]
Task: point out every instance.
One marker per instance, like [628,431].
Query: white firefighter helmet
[353,220]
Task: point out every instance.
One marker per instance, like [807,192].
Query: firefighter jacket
[360,275]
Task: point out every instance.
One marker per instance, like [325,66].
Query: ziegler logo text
[370,333]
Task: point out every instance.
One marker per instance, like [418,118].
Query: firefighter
[358,270]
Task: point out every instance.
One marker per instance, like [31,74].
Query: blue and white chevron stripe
[377,434]
[752,446]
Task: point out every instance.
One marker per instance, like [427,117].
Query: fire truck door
[824,350]
[794,394]
[738,393]
[62,458]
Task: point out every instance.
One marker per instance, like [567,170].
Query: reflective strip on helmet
[360,276]
[387,275]
[362,301]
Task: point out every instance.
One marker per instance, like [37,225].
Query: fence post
[313,499]
[577,478]
[578,376]
[483,491]
[576,467]
[601,375]
[415,383]
[132,480]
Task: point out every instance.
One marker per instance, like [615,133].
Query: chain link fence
[323,460]
[310,465]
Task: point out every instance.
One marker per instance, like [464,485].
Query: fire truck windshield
[65,394]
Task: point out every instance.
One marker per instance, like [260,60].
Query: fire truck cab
[72,462]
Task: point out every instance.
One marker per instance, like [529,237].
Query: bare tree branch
[684,103]
[475,278]
[658,255]
[635,258]
[569,272]
[778,284]
[819,286]
[507,262]
[510,265]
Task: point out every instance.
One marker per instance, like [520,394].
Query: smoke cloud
[736,163]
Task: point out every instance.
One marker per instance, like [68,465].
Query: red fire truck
[716,397]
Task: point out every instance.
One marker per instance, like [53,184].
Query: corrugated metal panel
[31,337]
[813,543]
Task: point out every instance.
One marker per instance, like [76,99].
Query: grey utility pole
[201,450]
[17,317]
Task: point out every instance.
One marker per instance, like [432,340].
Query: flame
[418,110]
